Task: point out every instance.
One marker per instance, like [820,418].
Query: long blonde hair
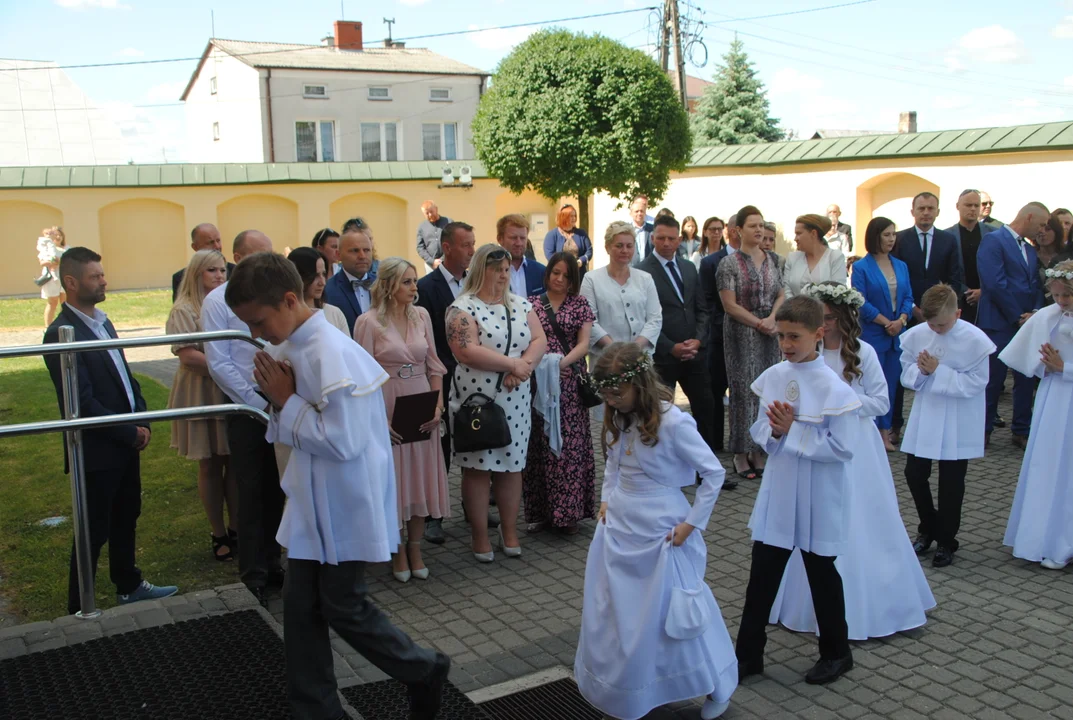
[388,281]
[627,357]
[478,267]
[191,294]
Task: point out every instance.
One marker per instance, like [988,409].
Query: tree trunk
[583,212]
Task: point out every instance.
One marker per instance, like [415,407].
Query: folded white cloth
[546,402]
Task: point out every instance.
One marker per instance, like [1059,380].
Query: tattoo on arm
[458,328]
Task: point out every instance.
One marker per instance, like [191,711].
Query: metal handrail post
[77,467]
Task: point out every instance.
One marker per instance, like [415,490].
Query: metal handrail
[72,425]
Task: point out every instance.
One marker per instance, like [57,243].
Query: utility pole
[389,23]
[665,35]
[679,56]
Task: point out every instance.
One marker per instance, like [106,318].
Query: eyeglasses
[323,235]
[355,224]
[987,204]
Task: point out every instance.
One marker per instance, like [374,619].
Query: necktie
[365,283]
[924,244]
[677,278]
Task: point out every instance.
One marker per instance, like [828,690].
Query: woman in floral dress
[560,490]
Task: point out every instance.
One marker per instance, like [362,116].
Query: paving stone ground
[998,645]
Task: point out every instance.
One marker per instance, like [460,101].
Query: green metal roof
[1018,138]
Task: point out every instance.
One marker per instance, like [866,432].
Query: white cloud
[1064,29]
[166,92]
[952,102]
[153,135]
[790,81]
[130,52]
[992,44]
[500,39]
[81,4]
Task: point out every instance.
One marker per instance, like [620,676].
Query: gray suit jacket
[682,319]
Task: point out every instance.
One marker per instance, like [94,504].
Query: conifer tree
[734,111]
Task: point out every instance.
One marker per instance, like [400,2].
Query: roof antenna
[389,23]
[342,9]
[212,16]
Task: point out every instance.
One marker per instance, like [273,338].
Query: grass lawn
[173,533]
[130,309]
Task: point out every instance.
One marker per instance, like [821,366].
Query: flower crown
[626,374]
[1058,274]
[834,294]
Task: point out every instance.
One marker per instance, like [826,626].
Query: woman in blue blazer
[888,305]
[566,236]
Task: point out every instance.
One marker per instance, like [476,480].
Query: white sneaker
[1052,565]
[712,709]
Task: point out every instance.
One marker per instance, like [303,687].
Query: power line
[795,12]
[300,48]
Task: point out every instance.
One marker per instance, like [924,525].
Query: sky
[958,64]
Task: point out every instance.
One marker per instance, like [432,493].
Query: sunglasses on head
[497,255]
[355,224]
[323,235]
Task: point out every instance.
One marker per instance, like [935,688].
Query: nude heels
[508,551]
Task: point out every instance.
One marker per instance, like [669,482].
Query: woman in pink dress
[398,334]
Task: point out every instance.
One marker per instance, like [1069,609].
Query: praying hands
[1051,358]
[927,363]
[276,379]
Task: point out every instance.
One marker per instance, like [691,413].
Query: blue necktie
[677,279]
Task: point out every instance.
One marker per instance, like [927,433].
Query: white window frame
[443,141]
[318,137]
[378,98]
[314,96]
[212,85]
[215,131]
[383,138]
[449,98]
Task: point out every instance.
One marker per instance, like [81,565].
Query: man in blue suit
[112,456]
[1010,293]
[526,276]
[348,289]
[709,292]
[932,257]
[642,228]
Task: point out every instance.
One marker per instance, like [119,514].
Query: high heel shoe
[712,709]
[485,557]
[508,551]
[404,575]
[421,574]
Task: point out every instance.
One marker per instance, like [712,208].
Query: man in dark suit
[348,289]
[986,206]
[642,228]
[834,214]
[526,275]
[717,367]
[680,356]
[932,257]
[435,292]
[203,237]
[1010,292]
[111,456]
[969,232]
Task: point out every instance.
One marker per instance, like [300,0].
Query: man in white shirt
[348,290]
[260,499]
[526,276]
[642,228]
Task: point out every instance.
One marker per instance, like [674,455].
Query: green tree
[570,114]
[734,111]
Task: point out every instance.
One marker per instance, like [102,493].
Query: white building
[275,102]
[45,119]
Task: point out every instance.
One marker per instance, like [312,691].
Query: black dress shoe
[261,594]
[1021,441]
[275,578]
[434,531]
[730,484]
[943,557]
[998,422]
[745,669]
[922,544]
[826,671]
[427,697]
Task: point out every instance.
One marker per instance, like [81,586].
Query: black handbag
[590,395]
[479,424]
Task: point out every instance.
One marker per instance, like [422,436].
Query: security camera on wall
[448,175]
[466,178]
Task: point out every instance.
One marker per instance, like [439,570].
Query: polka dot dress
[492,333]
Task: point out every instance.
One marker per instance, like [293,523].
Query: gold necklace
[629,447]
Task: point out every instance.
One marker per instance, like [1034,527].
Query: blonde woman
[50,247]
[477,332]
[203,440]
[398,334]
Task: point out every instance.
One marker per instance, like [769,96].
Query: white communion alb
[1041,521]
[884,586]
[651,631]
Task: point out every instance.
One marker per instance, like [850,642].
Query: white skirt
[1041,521]
[884,586]
[626,664]
[51,289]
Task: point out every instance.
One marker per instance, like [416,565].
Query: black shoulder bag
[480,424]
[590,396]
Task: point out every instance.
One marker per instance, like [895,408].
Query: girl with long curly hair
[885,589]
[651,631]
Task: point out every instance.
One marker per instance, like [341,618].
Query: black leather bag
[480,424]
[590,395]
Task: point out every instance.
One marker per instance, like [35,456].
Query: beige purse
[569,246]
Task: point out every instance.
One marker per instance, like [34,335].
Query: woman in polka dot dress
[477,333]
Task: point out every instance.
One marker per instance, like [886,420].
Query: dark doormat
[559,700]
[229,666]
[387,700]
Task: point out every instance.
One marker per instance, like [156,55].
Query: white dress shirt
[230,362]
[1020,244]
[639,242]
[96,324]
[454,283]
[517,279]
[363,296]
[670,276]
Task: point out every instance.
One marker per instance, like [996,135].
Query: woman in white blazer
[813,262]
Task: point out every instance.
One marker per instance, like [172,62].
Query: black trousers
[445,439]
[114,499]
[765,576]
[941,524]
[717,371]
[692,375]
[260,499]
[317,597]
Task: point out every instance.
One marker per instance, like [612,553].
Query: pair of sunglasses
[355,224]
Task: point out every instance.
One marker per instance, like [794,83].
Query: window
[440,94]
[379,93]
[216,131]
[314,140]
[379,141]
[439,141]
[212,85]
[318,92]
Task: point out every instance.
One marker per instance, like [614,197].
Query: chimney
[328,41]
[389,43]
[907,122]
[347,35]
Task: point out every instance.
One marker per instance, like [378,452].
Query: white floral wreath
[1058,274]
[834,294]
